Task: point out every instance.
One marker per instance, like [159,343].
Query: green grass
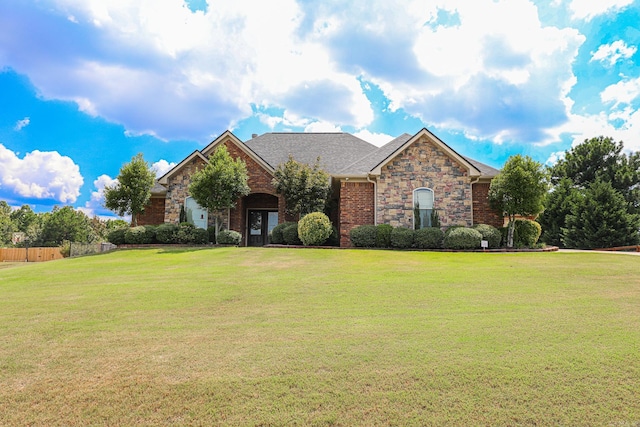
[240,336]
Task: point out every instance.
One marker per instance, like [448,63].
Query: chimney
[254,135]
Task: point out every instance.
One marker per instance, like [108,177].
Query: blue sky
[87,84]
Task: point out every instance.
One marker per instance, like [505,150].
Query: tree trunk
[510,230]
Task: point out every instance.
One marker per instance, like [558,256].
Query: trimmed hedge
[462,238]
[363,236]
[383,235]
[200,236]
[276,233]
[117,236]
[165,233]
[526,233]
[314,229]
[490,234]
[229,237]
[334,238]
[140,235]
[290,234]
[429,238]
[402,238]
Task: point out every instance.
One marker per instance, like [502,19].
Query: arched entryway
[261,213]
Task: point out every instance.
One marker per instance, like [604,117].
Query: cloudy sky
[87,84]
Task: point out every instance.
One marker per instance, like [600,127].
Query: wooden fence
[29,255]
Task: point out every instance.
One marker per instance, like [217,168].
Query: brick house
[400,183]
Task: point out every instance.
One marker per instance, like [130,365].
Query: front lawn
[242,336]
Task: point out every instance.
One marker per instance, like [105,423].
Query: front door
[260,224]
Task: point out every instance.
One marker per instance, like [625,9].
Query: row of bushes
[526,235]
[183,233]
[314,229]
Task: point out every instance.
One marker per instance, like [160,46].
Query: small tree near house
[305,188]
[220,183]
[519,189]
[132,192]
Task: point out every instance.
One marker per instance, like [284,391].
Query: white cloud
[21,124]
[40,175]
[588,9]
[554,157]
[611,53]
[161,167]
[322,127]
[96,202]
[623,92]
[378,139]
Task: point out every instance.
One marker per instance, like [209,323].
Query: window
[422,207]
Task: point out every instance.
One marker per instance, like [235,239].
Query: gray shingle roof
[373,159]
[485,170]
[336,150]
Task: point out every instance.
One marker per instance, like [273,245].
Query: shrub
[290,234]
[229,237]
[276,234]
[363,236]
[402,238]
[429,238]
[490,234]
[117,236]
[526,233]
[451,228]
[165,233]
[212,234]
[334,238]
[383,235]
[463,238]
[314,229]
[141,235]
[185,233]
[200,236]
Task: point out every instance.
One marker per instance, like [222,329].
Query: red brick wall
[153,213]
[482,213]
[356,208]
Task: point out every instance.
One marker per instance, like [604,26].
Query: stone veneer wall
[153,213]
[178,190]
[482,212]
[424,164]
[356,207]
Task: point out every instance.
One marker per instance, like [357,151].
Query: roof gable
[164,179]
[397,146]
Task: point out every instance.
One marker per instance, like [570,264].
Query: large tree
[65,224]
[132,192]
[305,188]
[519,189]
[220,183]
[596,160]
[600,218]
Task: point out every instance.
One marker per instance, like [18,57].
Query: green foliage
[383,235]
[200,236]
[526,233]
[132,192]
[334,237]
[429,238]
[276,234]
[600,218]
[229,237]
[65,224]
[463,238]
[220,183]
[24,218]
[117,236]
[519,189]
[166,233]
[489,233]
[435,218]
[363,236]
[450,229]
[402,238]
[140,235]
[185,233]
[305,189]
[290,234]
[182,217]
[582,175]
[314,229]
[6,225]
